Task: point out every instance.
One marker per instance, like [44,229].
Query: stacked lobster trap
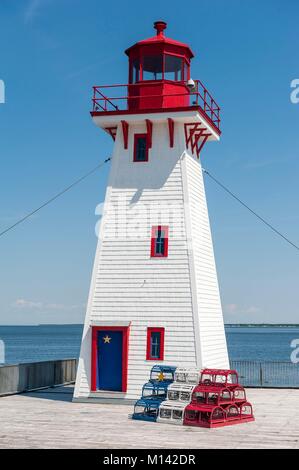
[209,398]
[179,394]
[154,392]
[218,400]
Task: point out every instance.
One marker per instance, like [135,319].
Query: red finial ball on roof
[160,26]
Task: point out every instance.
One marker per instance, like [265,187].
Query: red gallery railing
[199,97]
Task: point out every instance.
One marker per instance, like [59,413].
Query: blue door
[110,357]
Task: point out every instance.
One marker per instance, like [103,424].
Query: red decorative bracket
[196,136]
[171,131]
[112,131]
[149,129]
[125,128]
[205,138]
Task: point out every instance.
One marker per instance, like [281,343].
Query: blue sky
[52,52]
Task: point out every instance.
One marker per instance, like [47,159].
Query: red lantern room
[159,82]
[159,69]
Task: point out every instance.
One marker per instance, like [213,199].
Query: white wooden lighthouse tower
[154,294]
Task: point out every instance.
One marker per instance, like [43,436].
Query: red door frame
[94,354]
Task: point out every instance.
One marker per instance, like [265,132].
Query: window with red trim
[155,344]
[159,242]
[140,148]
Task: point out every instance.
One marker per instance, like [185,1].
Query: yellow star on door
[106,339]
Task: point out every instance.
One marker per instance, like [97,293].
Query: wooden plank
[49,420]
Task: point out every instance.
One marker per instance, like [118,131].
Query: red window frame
[94,354]
[136,136]
[155,229]
[151,330]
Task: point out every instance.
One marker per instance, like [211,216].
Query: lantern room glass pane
[186,71]
[173,68]
[152,68]
[135,71]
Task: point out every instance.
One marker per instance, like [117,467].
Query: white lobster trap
[187,375]
[171,412]
[181,392]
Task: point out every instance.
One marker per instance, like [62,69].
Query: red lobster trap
[218,401]
[219,377]
[209,416]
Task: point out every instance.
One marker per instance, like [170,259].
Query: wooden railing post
[261,374]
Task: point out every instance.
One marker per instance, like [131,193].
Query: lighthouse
[154,295]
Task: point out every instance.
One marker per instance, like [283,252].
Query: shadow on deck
[63,393]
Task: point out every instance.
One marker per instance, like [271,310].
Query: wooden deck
[48,419]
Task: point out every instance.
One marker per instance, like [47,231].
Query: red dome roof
[160,39]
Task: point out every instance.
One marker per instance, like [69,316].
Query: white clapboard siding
[213,346]
[179,293]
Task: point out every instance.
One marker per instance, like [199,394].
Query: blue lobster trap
[155,390]
[146,409]
[162,374]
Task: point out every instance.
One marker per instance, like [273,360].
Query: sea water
[50,342]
